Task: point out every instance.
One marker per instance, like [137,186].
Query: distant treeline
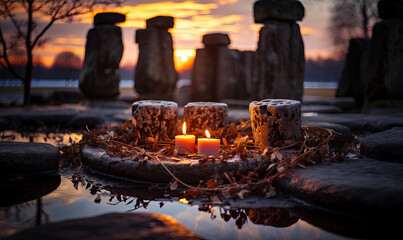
[316,70]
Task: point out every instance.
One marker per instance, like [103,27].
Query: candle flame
[184,128]
[207,134]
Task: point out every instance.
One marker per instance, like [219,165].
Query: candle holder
[154,118]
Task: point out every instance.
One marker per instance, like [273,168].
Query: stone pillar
[99,77]
[155,75]
[354,77]
[385,82]
[280,59]
[221,73]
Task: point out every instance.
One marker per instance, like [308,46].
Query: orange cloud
[308,31]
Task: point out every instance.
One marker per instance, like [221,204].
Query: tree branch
[9,66]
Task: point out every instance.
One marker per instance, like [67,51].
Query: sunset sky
[193,19]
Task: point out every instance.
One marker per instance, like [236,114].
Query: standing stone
[155,74]
[354,76]
[201,116]
[275,119]
[388,9]
[280,59]
[385,83]
[99,77]
[221,73]
[154,118]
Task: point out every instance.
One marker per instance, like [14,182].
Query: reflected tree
[30,20]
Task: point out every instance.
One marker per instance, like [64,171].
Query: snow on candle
[185,143]
[208,146]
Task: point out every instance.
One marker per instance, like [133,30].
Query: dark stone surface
[360,186]
[344,103]
[27,158]
[386,145]
[390,9]
[275,119]
[99,77]
[280,62]
[24,189]
[3,124]
[385,73]
[160,22]
[321,109]
[353,80]
[155,72]
[111,226]
[156,118]
[109,18]
[66,97]
[82,120]
[152,171]
[283,10]
[201,116]
[216,39]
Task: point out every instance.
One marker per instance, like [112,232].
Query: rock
[385,84]
[24,189]
[27,158]
[110,18]
[388,9]
[160,22]
[282,10]
[99,77]
[84,120]
[344,103]
[111,226]
[201,116]
[66,97]
[275,119]
[385,146]
[320,109]
[155,74]
[353,80]
[357,122]
[156,118]
[280,62]
[216,39]
[188,171]
[359,186]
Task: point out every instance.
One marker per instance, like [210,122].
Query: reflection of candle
[208,146]
[185,143]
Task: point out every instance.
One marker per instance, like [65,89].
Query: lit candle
[208,146]
[185,143]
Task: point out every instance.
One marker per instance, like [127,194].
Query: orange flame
[184,128]
[207,134]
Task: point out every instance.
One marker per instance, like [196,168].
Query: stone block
[281,10]
[390,9]
[164,22]
[216,39]
[201,116]
[108,18]
[275,119]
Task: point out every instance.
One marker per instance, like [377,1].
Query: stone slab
[109,18]
[190,172]
[285,10]
[344,103]
[360,186]
[160,22]
[386,145]
[27,158]
[216,39]
[390,9]
[111,226]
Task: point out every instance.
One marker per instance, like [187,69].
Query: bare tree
[351,19]
[29,34]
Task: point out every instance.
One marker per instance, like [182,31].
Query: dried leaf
[173,185]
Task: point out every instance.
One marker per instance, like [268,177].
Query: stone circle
[275,119]
[201,116]
[216,39]
[284,10]
[154,118]
[160,22]
[109,18]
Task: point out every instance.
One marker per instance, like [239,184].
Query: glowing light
[208,134]
[184,128]
[183,200]
[184,58]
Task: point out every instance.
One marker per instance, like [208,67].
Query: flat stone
[282,10]
[82,120]
[27,158]
[155,118]
[27,188]
[344,103]
[386,145]
[190,172]
[160,22]
[360,186]
[109,18]
[111,226]
[201,116]
[321,109]
[216,39]
[390,9]
[356,121]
